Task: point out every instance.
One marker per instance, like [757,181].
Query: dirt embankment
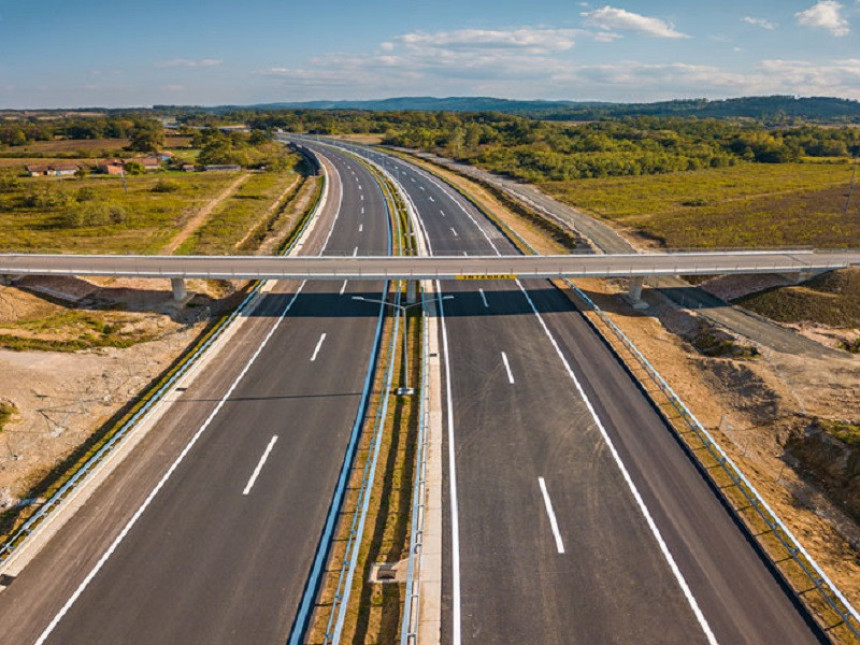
[132,331]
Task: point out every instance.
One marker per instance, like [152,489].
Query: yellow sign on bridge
[488,276]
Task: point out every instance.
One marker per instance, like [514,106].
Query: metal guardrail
[31,524]
[343,588]
[302,620]
[411,602]
[831,594]
[340,603]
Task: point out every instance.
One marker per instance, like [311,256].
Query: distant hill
[754,107]
[431,104]
[765,108]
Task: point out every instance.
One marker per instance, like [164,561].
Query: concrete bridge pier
[180,292]
[411,291]
[634,293]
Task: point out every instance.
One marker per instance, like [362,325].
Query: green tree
[146,136]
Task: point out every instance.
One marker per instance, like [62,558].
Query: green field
[32,211]
[760,205]
[238,215]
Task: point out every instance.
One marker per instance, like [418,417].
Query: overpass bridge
[635,266]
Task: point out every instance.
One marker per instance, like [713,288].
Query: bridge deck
[439,267]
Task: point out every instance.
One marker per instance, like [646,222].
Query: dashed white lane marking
[359,186]
[421,187]
[362,210]
[484,298]
[259,467]
[355,252]
[362,196]
[161,483]
[508,368]
[453,230]
[317,348]
[552,521]
[430,198]
[360,228]
[343,287]
[443,213]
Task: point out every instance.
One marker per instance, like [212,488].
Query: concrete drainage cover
[388,572]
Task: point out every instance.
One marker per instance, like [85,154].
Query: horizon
[626,52]
[302,104]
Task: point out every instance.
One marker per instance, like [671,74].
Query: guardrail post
[180,292]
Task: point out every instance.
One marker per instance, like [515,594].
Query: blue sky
[114,54]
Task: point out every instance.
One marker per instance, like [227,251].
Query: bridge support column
[801,276]
[180,292]
[634,293]
[411,291]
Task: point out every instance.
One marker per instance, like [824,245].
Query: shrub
[134,168]
[92,214]
[86,194]
[166,186]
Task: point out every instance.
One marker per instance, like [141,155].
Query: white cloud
[518,64]
[826,14]
[529,39]
[613,18]
[759,22]
[185,62]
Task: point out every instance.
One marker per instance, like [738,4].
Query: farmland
[32,209]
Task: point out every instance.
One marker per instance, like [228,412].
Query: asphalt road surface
[222,552]
[573,515]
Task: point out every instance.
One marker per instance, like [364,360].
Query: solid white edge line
[134,518]
[552,520]
[484,298]
[664,548]
[508,368]
[317,348]
[452,483]
[260,463]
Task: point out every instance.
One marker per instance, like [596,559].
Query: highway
[572,513]
[207,531]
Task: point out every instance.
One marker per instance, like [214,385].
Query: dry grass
[33,225]
[84,148]
[832,299]
[747,205]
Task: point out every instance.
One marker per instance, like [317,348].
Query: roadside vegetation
[7,411]
[70,330]
[100,214]
[831,299]
[237,217]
